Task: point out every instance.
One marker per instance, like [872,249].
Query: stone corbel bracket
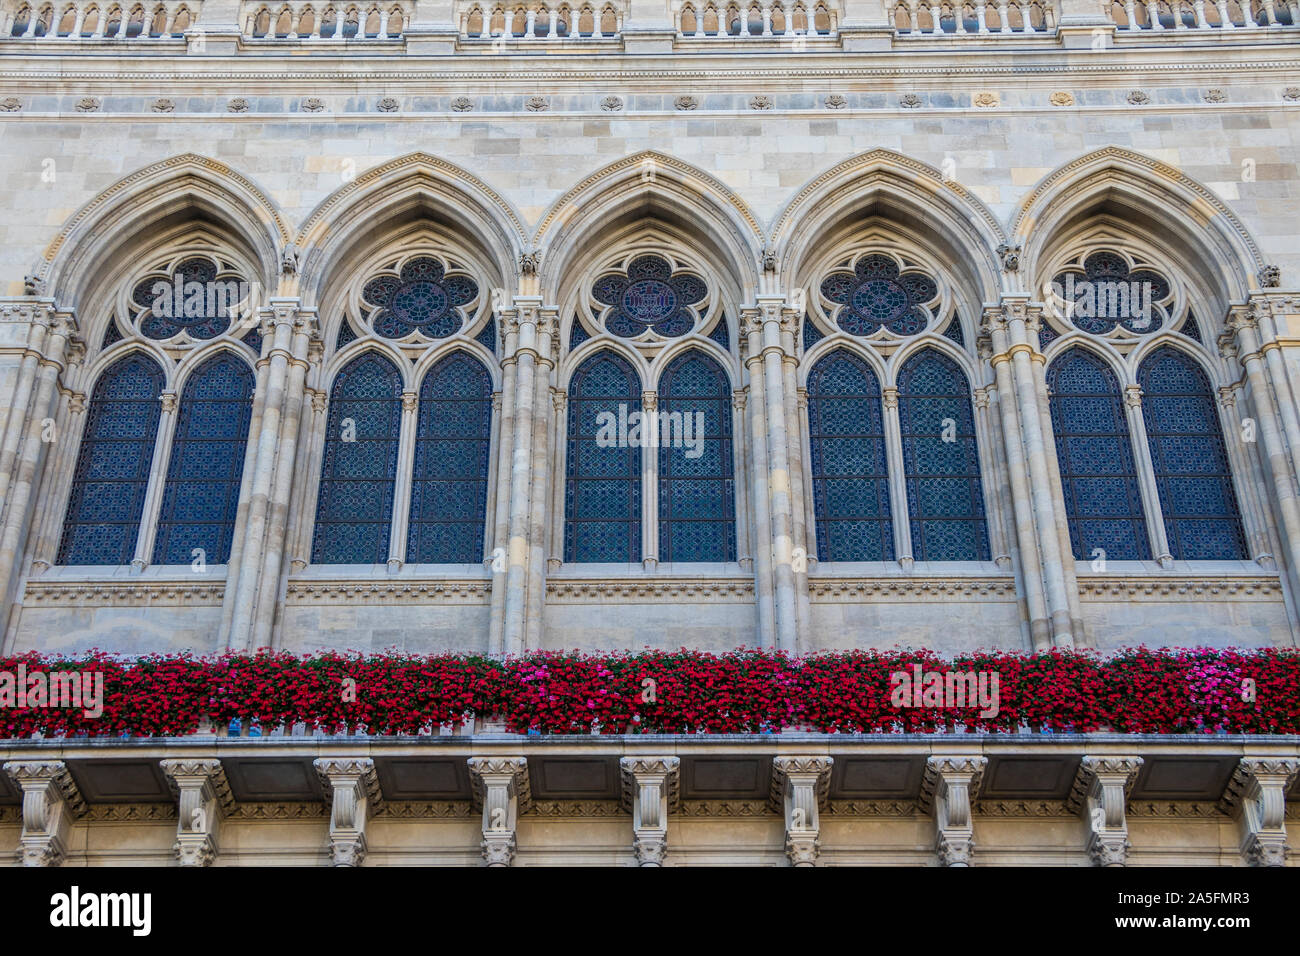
[799,789]
[947,790]
[1100,791]
[352,793]
[204,798]
[1256,794]
[51,801]
[502,789]
[650,790]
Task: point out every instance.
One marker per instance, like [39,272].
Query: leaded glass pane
[113,463]
[849,474]
[452,444]
[1190,461]
[355,508]
[697,494]
[207,463]
[1098,476]
[602,492]
[945,497]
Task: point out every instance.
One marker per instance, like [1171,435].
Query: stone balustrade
[771,18]
[96,20]
[305,20]
[540,21]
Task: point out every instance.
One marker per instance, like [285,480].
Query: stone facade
[306,149]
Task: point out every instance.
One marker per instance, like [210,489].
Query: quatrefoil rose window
[649,298]
[199,296]
[1103,290]
[876,294]
[424,296]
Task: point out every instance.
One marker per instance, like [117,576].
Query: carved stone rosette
[352,789]
[1100,792]
[1256,794]
[501,786]
[50,802]
[204,798]
[650,788]
[947,790]
[799,789]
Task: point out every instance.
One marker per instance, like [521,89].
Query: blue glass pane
[207,463]
[449,484]
[945,497]
[849,473]
[355,509]
[113,463]
[602,490]
[1098,477]
[1190,460]
[697,495]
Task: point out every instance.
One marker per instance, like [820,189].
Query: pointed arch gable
[184,185]
[1184,214]
[887,182]
[650,184]
[416,184]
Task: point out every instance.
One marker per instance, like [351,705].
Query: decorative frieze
[921,590]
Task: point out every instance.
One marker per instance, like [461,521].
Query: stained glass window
[422,296]
[449,484]
[849,472]
[1190,460]
[697,494]
[1098,478]
[207,463]
[811,334]
[1108,293]
[945,497]
[649,297]
[197,297]
[877,294]
[355,508]
[113,464]
[602,496]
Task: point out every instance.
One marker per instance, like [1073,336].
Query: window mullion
[162,448]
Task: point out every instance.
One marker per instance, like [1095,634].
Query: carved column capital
[50,802]
[1256,795]
[204,797]
[799,788]
[947,790]
[650,789]
[352,791]
[1100,791]
[501,786]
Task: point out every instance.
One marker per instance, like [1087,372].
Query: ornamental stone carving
[947,790]
[51,802]
[649,790]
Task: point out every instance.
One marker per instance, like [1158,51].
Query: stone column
[1100,793]
[51,802]
[501,785]
[1137,428]
[993,345]
[204,797]
[35,345]
[799,787]
[1256,795]
[1242,336]
[352,790]
[947,790]
[649,790]
[253,586]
